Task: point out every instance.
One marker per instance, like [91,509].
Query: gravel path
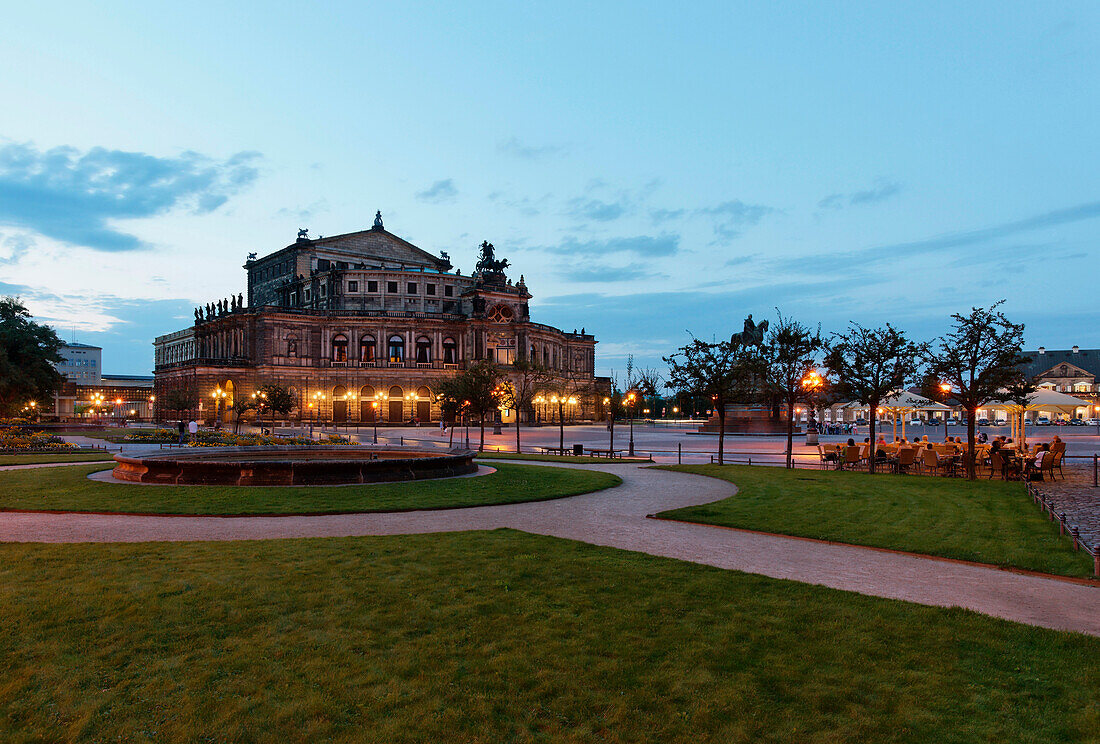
[617,518]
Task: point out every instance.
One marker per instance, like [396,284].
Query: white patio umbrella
[903,401]
[1041,399]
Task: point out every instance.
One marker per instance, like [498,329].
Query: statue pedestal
[749,419]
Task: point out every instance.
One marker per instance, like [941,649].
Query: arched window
[367,349]
[450,351]
[534,358]
[396,392]
[545,356]
[423,350]
[292,347]
[397,349]
[366,392]
[339,392]
[339,348]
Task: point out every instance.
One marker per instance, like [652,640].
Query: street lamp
[945,391]
[374,405]
[631,397]
[218,395]
[97,401]
[811,384]
[315,405]
[1096,415]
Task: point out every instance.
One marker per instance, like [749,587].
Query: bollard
[402,439]
[1062,525]
[1076,539]
[679,453]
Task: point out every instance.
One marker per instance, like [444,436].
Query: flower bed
[227,439]
[17,440]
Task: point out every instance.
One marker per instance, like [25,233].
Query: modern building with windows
[364,326]
[87,392]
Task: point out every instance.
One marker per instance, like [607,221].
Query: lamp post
[631,397]
[152,408]
[610,424]
[1096,415]
[374,405]
[318,399]
[811,384]
[97,401]
[218,395]
[945,391]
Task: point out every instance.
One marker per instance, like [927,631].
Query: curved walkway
[617,518]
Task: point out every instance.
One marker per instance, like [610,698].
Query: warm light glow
[945,387]
[675,409]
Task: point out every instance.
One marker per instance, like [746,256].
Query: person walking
[182,430]
[193,429]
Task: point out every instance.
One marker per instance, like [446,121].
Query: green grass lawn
[502,636]
[54,457]
[584,460]
[69,488]
[985,521]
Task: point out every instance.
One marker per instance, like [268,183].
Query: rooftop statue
[488,263]
[378,220]
[303,234]
[753,335]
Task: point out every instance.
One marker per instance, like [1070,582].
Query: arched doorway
[396,414]
[423,404]
[228,414]
[366,404]
[339,405]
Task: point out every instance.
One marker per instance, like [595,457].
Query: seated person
[1038,461]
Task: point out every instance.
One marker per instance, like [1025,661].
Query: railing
[1065,527]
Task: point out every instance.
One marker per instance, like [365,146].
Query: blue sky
[650,168]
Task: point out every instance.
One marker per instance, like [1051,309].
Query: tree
[566,387]
[28,353]
[720,372]
[978,357]
[788,356]
[182,399]
[476,391]
[526,381]
[241,405]
[871,363]
[273,398]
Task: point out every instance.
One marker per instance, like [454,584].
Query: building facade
[366,318]
[88,393]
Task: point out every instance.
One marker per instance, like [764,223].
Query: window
[324,290]
[500,314]
[292,347]
[353,286]
[411,288]
[423,350]
[339,348]
[391,287]
[448,291]
[322,264]
[342,265]
[429,289]
[450,351]
[397,349]
[372,286]
[504,355]
[305,294]
[367,349]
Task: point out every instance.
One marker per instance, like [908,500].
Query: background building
[352,320]
[114,396]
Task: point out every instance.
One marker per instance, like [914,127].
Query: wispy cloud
[514,148]
[71,196]
[597,209]
[882,190]
[641,245]
[603,273]
[439,192]
[732,217]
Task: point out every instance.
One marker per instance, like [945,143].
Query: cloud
[439,192]
[69,195]
[882,190]
[665,215]
[731,217]
[641,245]
[603,273]
[596,209]
[14,247]
[513,147]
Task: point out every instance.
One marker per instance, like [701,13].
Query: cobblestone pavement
[617,518]
[1078,499]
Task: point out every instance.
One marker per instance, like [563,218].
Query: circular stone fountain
[292,466]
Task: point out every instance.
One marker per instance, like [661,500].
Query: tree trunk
[790,434]
[451,441]
[518,450]
[481,423]
[872,450]
[971,472]
[721,431]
